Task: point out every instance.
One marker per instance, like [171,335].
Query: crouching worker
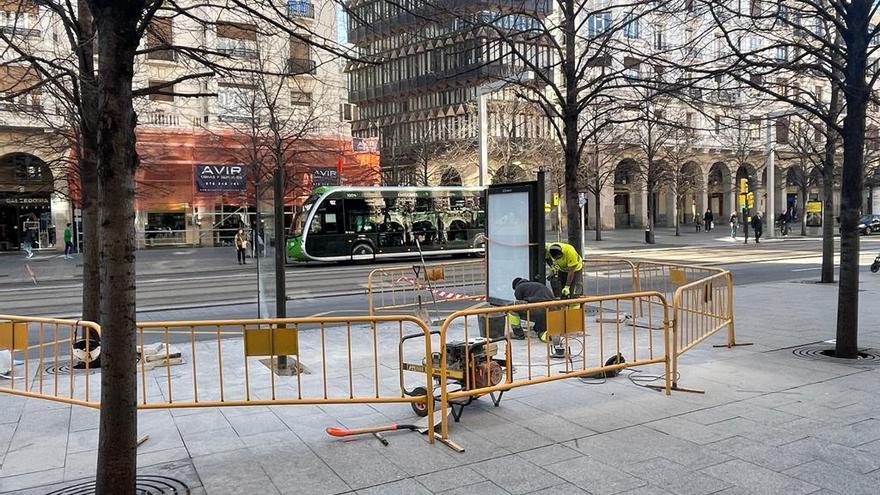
[567,267]
[526,291]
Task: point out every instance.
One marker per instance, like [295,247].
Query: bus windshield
[296,228]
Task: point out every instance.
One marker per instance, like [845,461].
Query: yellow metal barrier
[700,309]
[606,276]
[48,368]
[398,288]
[590,346]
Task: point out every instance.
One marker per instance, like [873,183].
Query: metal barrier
[700,309]
[416,285]
[605,276]
[48,369]
[599,342]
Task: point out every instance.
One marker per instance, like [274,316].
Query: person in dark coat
[758,227]
[531,292]
[708,218]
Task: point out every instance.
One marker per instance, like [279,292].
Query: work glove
[566,290]
[544,337]
[514,320]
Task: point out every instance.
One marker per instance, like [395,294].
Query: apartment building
[239,79]
[416,81]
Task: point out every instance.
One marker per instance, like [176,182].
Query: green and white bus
[366,223]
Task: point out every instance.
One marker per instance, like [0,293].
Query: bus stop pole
[280,254]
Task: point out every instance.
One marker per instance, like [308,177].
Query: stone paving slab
[769,422]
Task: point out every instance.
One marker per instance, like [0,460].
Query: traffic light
[750,200]
[744,185]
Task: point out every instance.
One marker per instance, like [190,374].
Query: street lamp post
[483,93]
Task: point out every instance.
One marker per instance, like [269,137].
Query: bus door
[326,236]
[362,222]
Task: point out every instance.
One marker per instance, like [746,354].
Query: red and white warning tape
[449,296]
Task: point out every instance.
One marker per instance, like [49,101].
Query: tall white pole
[770,207]
[483,117]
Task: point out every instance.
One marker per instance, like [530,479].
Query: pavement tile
[484,488]
[449,479]
[403,487]
[515,474]
[639,443]
[689,430]
[646,490]
[675,478]
[162,456]
[542,456]
[595,477]
[296,471]
[358,463]
[852,435]
[834,478]
[18,483]
[82,440]
[758,480]
[854,459]
[224,473]
[756,431]
[563,489]
[255,424]
[774,458]
[212,442]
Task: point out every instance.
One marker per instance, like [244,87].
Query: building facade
[224,88]
[416,80]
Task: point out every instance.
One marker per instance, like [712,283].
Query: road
[189,293]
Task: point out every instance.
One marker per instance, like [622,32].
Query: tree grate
[64,368]
[826,353]
[145,485]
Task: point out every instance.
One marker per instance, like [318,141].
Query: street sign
[744,185]
[555,199]
[582,199]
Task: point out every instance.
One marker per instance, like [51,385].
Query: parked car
[869,224]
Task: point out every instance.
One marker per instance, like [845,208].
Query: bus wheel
[363,252]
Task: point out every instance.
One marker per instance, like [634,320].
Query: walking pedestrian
[708,218]
[241,246]
[758,226]
[27,243]
[68,242]
[733,224]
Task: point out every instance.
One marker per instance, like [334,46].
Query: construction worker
[567,266]
[526,291]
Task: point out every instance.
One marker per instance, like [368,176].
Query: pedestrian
[708,219]
[758,226]
[697,223]
[733,224]
[68,242]
[27,243]
[783,224]
[241,246]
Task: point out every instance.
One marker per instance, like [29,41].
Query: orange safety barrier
[399,288]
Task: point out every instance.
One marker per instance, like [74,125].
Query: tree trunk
[598,201]
[827,275]
[803,217]
[852,178]
[571,119]
[117,161]
[88,167]
[677,215]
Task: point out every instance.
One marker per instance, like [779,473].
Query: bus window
[361,217]
[327,218]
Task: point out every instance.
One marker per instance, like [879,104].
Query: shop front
[29,204]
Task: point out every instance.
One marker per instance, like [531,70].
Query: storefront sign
[221,178]
[26,201]
[814,214]
[370,145]
[324,176]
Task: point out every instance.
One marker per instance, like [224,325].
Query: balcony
[19,31]
[298,8]
[296,66]
[165,55]
[239,52]
[16,107]
[159,119]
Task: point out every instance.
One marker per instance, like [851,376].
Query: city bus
[368,223]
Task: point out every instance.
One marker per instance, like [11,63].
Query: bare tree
[605,148]
[829,40]
[678,153]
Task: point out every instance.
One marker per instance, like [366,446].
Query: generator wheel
[420,408]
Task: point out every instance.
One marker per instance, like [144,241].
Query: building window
[717,120]
[631,27]
[160,36]
[236,101]
[300,99]
[166,93]
[598,23]
[754,128]
[631,67]
[659,38]
[782,53]
[237,40]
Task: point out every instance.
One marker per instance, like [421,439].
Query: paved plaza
[775,418]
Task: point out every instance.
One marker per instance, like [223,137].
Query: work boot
[518,334]
[558,352]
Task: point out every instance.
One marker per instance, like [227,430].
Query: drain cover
[63,368]
[146,485]
[816,351]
